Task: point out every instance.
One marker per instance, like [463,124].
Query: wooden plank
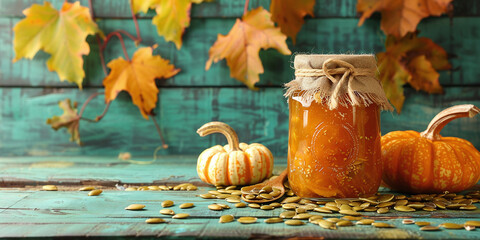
[60,214]
[220,8]
[257,116]
[343,37]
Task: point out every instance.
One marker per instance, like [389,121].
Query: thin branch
[109,36]
[137,29]
[245,9]
[99,117]
[164,145]
[100,53]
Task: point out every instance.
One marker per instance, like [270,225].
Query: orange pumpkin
[429,163]
[235,163]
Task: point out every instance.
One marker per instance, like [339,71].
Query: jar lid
[337,80]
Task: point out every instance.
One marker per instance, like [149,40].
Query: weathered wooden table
[27,211]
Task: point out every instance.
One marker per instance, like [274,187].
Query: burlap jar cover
[337,80]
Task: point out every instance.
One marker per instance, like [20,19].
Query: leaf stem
[99,117]
[164,145]
[245,9]
[137,29]
[117,33]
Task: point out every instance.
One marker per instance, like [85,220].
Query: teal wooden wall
[29,92]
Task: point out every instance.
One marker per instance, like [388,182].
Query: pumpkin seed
[354,204]
[224,206]
[127,189]
[135,206]
[167,212]
[357,209]
[340,202]
[322,210]
[95,192]
[290,193]
[370,209]
[247,220]
[382,210]
[385,204]
[233,199]
[345,207]
[302,216]
[344,223]
[429,209]
[365,205]
[333,220]
[421,224]
[352,218]
[287,214]
[294,222]
[301,210]
[275,204]
[408,221]
[382,225]
[155,220]
[400,197]
[214,192]
[469,228]
[369,200]
[266,189]
[350,212]
[222,196]
[231,187]
[326,224]
[273,220]
[275,193]
[215,207]
[240,205]
[416,205]
[451,226]
[468,207]
[291,200]
[207,196]
[186,205]
[440,205]
[167,203]
[236,193]
[254,205]
[402,202]
[333,208]
[365,221]
[153,188]
[314,218]
[404,209]
[386,198]
[472,223]
[87,188]
[226,219]
[143,188]
[429,228]
[181,215]
[250,196]
[289,206]
[50,188]
[192,188]
[266,207]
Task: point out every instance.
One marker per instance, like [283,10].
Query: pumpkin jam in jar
[334,126]
[334,153]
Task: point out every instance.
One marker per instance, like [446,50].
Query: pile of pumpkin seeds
[297,209]
[179,187]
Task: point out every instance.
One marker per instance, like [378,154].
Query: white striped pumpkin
[235,163]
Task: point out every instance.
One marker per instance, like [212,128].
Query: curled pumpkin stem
[446,116]
[223,128]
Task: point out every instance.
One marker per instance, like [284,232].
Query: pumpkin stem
[447,115]
[223,128]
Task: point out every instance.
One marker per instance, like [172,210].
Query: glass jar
[334,152]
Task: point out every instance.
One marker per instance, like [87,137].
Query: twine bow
[348,72]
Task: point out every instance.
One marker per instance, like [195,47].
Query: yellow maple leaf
[400,17]
[289,14]
[61,33]
[69,120]
[240,47]
[137,77]
[172,17]
[410,60]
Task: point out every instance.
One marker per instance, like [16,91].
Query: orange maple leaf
[62,34]
[241,46]
[137,77]
[400,17]
[410,60]
[69,120]
[172,17]
[289,14]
